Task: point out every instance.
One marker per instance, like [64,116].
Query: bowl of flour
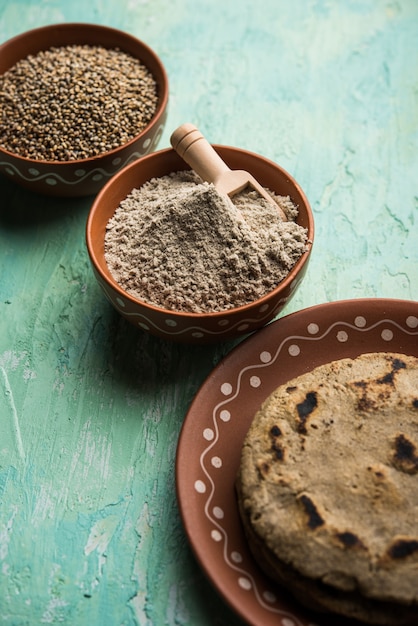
[179,260]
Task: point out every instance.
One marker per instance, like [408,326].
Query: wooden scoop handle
[191,145]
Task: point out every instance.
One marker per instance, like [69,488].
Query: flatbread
[328,487]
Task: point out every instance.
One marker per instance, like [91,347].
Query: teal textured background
[91,408]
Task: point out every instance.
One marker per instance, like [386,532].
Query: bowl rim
[109,280]
[163,86]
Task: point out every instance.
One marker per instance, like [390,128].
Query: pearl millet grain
[74,102]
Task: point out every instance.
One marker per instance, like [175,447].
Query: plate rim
[274,328]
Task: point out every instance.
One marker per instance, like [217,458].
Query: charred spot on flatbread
[405,457]
[276,446]
[403,548]
[314,519]
[376,391]
[349,540]
[305,409]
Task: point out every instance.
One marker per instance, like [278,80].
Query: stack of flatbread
[328,488]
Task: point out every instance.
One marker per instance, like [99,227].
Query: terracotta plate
[217,421]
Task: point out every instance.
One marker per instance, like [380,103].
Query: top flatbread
[329,476]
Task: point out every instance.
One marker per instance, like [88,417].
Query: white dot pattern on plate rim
[244,583]
[208,434]
[342,336]
[226,389]
[218,512]
[360,321]
[236,557]
[255,381]
[269,597]
[225,415]
[412,321]
[200,486]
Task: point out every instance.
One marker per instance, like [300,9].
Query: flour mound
[178,244]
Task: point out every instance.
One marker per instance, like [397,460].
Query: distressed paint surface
[91,409]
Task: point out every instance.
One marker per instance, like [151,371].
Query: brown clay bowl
[84,176]
[194,327]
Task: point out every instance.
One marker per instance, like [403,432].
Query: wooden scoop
[191,145]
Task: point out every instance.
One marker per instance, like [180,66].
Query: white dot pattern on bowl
[313,328]
[265,357]
[387,334]
[120,302]
[255,381]
[79,176]
[294,350]
[216,462]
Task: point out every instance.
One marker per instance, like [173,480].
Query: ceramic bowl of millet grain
[180,326]
[68,123]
